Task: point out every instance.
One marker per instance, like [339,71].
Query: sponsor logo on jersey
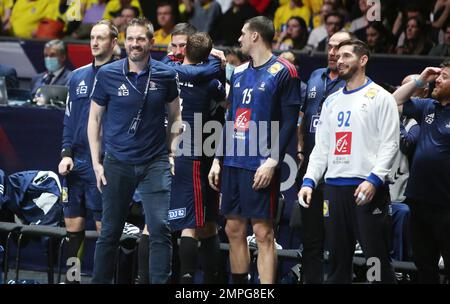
[371,93]
[377,211]
[153,86]
[275,68]
[429,118]
[262,86]
[123,90]
[343,143]
[82,88]
[242,120]
[326,208]
[177,213]
[64,195]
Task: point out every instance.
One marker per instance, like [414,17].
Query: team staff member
[197,202]
[321,84]
[132,94]
[76,162]
[428,192]
[356,142]
[265,90]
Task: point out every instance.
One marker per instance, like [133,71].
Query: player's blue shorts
[82,192]
[192,201]
[239,198]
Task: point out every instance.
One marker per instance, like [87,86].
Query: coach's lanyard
[137,119]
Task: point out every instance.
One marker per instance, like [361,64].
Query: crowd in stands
[389,26]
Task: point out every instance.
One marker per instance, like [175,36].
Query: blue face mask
[52,64]
[229,69]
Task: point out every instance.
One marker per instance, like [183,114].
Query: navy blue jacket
[77,110]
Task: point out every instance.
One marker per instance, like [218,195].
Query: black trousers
[430,227]
[312,235]
[346,222]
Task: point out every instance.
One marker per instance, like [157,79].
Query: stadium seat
[9,228]
[40,231]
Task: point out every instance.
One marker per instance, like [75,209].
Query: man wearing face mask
[57,73]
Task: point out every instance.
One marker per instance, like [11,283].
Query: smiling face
[348,62]
[441,89]
[137,44]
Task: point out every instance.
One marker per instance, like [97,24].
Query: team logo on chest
[82,88]
[153,86]
[123,90]
[429,118]
[262,86]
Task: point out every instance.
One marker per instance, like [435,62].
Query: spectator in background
[359,25]
[27,14]
[225,5]
[399,27]
[5,14]
[127,13]
[334,22]
[379,39]
[294,8]
[10,75]
[320,32]
[416,42]
[203,14]
[442,49]
[57,73]
[440,19]
[230,24]
[114,8]
[92,14]
[294,36]
[166,20]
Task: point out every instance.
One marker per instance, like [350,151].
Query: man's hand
[300,157]
[304,196]
[99,176]
[220,55]
[429,74]
[214,175]
[172,163]
[365,193]
[264,174]
[65,165]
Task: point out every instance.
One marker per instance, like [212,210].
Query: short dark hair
[198,47]
[263,26]
[445,63]
[113,31]
[184,29]
[335,14]
[133,8]
[165,3]
[360,48]
[236,52]
[144,22]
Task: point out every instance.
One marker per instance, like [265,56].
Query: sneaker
[131,229]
